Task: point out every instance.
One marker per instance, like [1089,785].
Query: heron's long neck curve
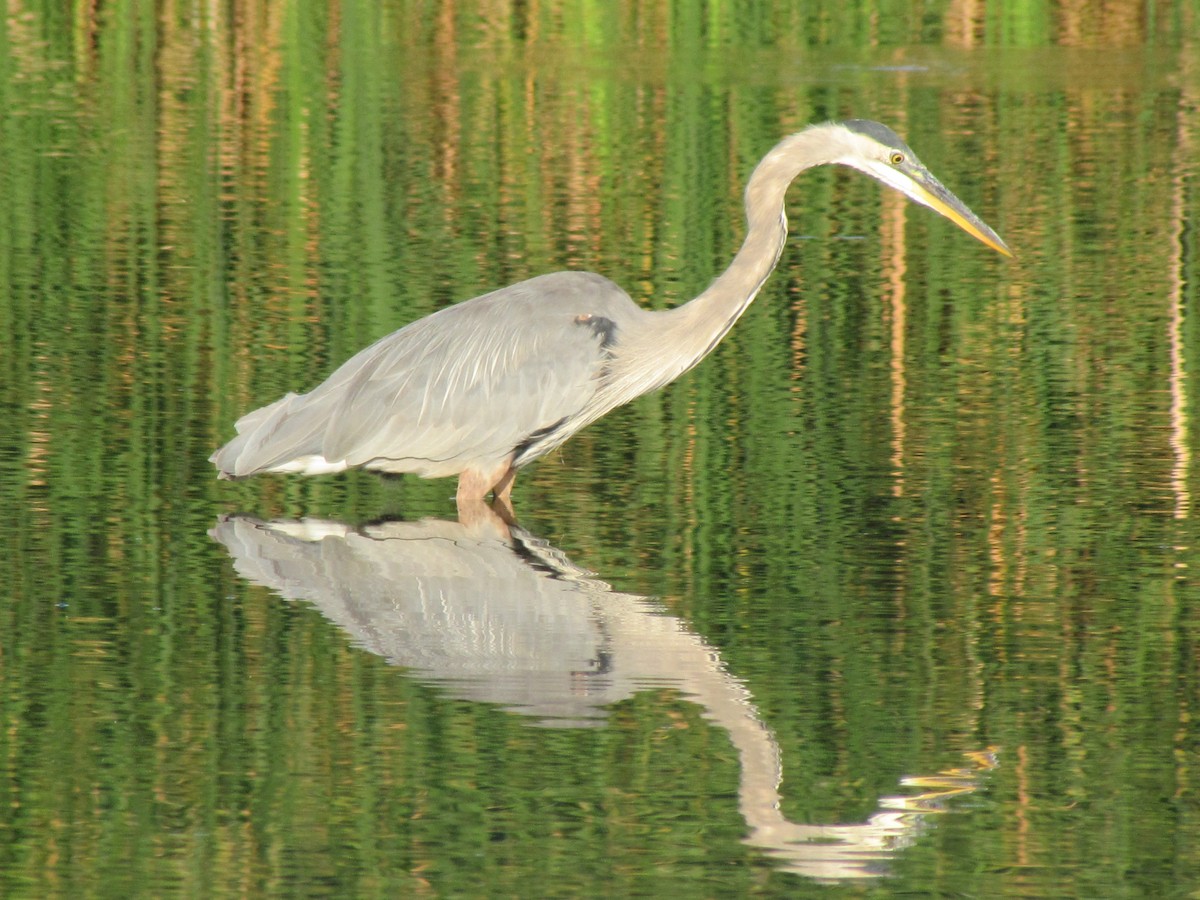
[668,343]
[700,324]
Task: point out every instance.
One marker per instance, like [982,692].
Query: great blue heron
[486,386]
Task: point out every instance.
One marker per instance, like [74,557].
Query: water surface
[891,595]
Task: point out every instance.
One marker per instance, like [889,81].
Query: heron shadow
[490,613]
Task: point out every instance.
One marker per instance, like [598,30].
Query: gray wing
[466,386]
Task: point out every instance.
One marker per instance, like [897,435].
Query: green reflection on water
[921,502]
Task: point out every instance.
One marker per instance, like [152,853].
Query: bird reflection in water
[490,613]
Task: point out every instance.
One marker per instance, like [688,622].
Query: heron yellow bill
[934,195]
[912,179]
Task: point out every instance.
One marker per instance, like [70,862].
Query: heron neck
[673,341]
[708,318]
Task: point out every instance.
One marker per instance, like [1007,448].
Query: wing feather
[464,386]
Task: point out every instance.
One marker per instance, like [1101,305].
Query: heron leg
[474,485]
[483,521]
[502,489]
[502,497]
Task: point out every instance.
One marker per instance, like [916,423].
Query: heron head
[876,150]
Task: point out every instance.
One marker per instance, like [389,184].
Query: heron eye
[896,158]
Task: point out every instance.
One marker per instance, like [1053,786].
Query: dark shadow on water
[492,614]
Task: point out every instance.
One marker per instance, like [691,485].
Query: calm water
[893,595]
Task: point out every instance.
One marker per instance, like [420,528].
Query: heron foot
[482,519]
[473,488]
